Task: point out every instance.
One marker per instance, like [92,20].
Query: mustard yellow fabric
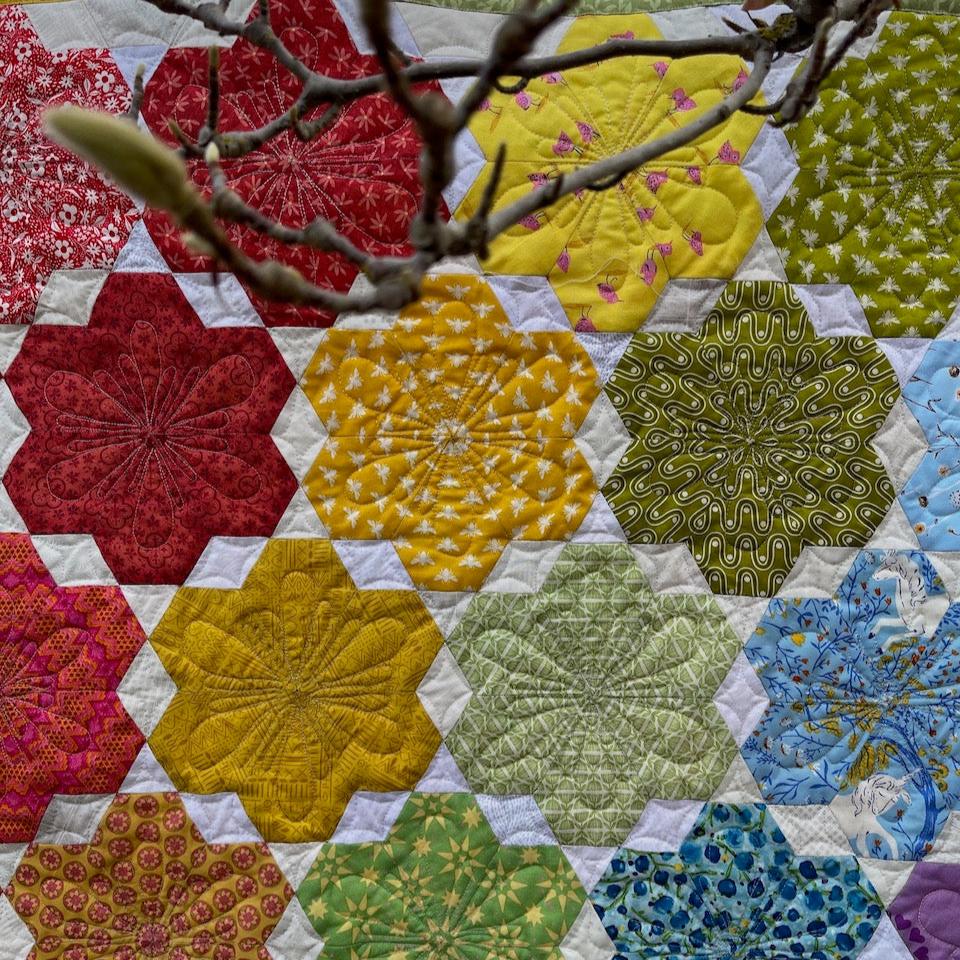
[451,433]
[609,255]
[295,690]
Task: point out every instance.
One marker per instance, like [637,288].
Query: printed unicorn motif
[859,811]
[918,613]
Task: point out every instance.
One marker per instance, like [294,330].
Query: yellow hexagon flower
[296,690]
[610,254]
[451,434]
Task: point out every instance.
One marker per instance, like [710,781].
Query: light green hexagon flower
[593,694]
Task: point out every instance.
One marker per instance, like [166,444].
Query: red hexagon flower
[149,885]
[149,431]
[63,650]
[361,173]
[56,212]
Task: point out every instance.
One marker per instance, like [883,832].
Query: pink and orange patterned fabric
[63,650]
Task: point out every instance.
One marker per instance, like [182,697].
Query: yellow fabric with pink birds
[609,254]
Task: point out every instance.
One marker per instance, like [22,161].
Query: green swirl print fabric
[751,438]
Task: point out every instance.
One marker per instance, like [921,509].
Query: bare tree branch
[508,67]
[136,98]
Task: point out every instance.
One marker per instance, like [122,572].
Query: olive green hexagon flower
[876,203]
[751,438]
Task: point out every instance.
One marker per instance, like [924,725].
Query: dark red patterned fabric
[149,431]
[361,173]
[63,650]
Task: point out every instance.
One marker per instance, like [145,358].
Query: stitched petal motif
[751,438]
[594,658]
[63,650]
[361,173]
[736,888]
[863,704]
[441,886]
[925,911]
[148,885]
[296,690]
[876,202]
[610,254]
[451,434]
[56,212]
[149,431]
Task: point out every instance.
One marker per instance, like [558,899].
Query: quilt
[602,604]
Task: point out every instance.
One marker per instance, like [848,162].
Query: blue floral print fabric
[931,498]
[864,703]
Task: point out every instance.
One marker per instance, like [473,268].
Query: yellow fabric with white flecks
[451,434]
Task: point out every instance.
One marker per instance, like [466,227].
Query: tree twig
[509,66]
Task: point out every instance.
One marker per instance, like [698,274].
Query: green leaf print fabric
[441,886]
[593,694]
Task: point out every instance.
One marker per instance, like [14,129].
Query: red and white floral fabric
[56,212]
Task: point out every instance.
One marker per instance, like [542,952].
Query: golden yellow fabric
[451,434]
[148,886]
[610,254]
[296,690]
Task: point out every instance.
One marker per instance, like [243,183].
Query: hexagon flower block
[451,434]
[609,255]
[594,658]
[149,885]
[751,438]
[149,431]
[931,497]
[737,889]
[926,909]
[863,707]
[361,173]
[441,886]
[63,650]
[875,201]
[296,690]
[56,212]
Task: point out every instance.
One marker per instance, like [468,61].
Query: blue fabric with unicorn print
[864,707]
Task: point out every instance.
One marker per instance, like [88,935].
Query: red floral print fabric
[56,212]
[63,650]
[360,173]
[149,431]
[148,885]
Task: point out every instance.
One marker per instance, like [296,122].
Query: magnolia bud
[138,162]
[196,244]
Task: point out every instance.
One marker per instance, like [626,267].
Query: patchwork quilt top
[603,603]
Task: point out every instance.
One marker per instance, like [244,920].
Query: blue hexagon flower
[864,707]
[736,888]
[931,498]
